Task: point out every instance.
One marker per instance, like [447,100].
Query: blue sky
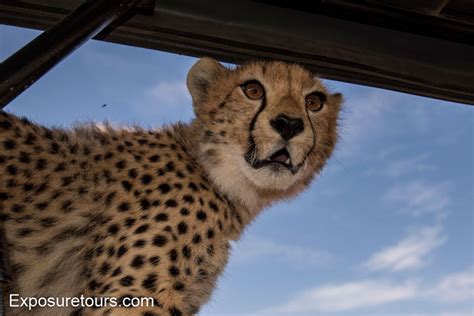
[387,229]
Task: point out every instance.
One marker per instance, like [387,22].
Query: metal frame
[344,40]
[31,62]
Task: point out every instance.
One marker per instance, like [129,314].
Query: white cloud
[166,101]
[419,197]
[403,166]
[455,287]
[348,297]
[398,167]
[170,94]
[456,313]
[254,248]
[410,253]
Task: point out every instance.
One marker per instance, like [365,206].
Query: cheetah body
[103,208]
[102,211]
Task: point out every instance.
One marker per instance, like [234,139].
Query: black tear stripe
[252,145]
[314,136]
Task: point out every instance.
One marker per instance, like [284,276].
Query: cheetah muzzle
[128,212]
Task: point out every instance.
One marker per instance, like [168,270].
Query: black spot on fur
[41,164]
[201,215]
[127,280]
[210,233]
[41,206]
[127,185]
[55,148]
[210,250]
[121,251]
[164,188]
[48,221]
[141,229]
[4,196]
[17,208]
[67,181]
[66,206]
[137,262]
[120,164]
[174,311]
[188,199]
[132,173]
[173,271]
[110,197]
[173,255]
[186,251]
[5,125]
[150,282]
[155,260]
[146,179]
[171,203]
[184,211]
[193,186]
[60,167]
[169,166]
[24,232]
[154,158]
[213,206]
[12,170]
[113,229]
[9,144]
[161,217]
[160,240]
[182,228]
[124,207]
[104,268]
[197,239]
[117,272]
[145,204]
[140,243]
[178,286]
[24,157]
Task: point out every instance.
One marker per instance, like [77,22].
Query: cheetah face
[273,122]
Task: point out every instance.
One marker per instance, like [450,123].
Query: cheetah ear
[201,76]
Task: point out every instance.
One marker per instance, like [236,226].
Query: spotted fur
[102,211]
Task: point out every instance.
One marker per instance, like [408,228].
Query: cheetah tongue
[281,156]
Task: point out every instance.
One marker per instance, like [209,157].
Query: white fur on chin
[240,182]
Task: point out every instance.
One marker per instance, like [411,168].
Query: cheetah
[103,211]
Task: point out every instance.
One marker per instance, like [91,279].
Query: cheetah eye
[253,90]
[315,101]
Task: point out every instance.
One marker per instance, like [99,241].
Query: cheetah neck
[228,180]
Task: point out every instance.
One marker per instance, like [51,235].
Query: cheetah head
[268,126]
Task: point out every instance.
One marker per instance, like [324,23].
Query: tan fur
[101,211]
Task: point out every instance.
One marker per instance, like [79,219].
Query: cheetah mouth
[279,159]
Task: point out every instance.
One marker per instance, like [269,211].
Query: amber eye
[315,101]
[253,90]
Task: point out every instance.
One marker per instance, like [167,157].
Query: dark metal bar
[361,42]
[26,66]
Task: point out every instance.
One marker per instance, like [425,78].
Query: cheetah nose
[287,127]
